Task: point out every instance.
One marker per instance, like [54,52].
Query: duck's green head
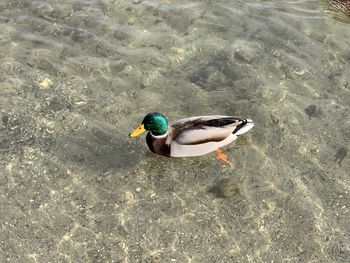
[154,122]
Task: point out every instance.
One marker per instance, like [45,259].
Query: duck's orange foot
[222,156]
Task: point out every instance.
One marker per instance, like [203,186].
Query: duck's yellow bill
[139,130]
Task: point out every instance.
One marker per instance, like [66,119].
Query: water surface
[77,76]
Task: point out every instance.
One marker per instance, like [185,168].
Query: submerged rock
[244,51]
[313,111]
[5,120]
[43,10]
[340,155]
[217,73]
[227,187]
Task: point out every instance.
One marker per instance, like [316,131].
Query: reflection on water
[77,76]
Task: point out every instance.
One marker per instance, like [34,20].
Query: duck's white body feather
[200,135]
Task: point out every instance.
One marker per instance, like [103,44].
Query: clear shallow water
[77,76]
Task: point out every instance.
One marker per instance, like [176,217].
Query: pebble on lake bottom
[313,111]
[226,187]
[340,155]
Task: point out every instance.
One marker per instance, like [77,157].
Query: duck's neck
[155,135]
[158,143]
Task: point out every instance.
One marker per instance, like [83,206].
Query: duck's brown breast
[158,145]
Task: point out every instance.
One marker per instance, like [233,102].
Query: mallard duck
[193,136]
[342,5]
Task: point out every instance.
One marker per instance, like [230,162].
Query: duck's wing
[203,134]
[203,129]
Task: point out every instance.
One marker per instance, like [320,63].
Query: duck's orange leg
[222,156]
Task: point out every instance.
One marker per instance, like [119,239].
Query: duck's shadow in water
[99,148]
